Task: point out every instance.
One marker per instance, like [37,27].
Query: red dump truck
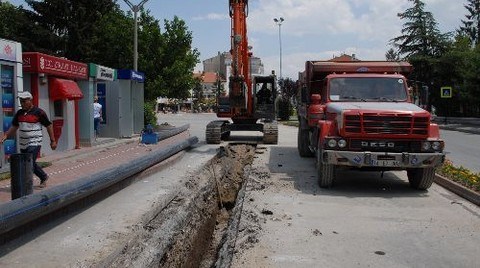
[359,115]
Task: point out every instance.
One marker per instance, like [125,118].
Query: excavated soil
[197,227]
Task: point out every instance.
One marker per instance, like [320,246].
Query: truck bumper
[383,159]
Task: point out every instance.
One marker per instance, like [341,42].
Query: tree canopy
[439,60]
[100,32]
[471,24]
[420,35]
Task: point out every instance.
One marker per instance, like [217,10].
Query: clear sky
[312,30]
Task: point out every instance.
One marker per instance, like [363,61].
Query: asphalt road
[463,149]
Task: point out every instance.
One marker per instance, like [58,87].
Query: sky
[312,29]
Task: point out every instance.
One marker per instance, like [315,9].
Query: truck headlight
[342,143]
[426,146]
[332,143]
[436,145]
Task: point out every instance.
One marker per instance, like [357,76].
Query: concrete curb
[22,210]
[458,189]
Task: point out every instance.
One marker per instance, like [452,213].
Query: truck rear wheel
[325,172]
[303,142]
[421,178]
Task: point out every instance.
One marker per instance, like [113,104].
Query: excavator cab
[265,94]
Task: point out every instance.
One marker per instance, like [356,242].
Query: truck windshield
[367,89]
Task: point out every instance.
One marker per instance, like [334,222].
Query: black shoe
[43,183]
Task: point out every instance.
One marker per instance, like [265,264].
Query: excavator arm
[240,105]
[240,87]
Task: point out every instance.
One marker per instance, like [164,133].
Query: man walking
[97,116]
[30,119]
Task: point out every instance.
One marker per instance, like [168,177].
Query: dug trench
[199,227]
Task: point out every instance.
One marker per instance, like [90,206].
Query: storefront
[11,83]
[130,80]
[100,79]
[53,84]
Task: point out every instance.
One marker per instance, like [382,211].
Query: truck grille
[376,146]
[397,124]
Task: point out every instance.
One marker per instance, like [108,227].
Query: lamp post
[279,22]
[135,9]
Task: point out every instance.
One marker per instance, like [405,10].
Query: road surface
[462,149]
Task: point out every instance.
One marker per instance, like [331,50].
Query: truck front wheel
[303,143]
[325,172]
[421,178]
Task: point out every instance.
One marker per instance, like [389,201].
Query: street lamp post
[135,9]
[279,22]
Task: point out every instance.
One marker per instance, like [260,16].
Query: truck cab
[359,115]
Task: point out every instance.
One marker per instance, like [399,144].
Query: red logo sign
[42,63]
[8,50]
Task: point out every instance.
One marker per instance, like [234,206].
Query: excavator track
[213,133]
[270,133]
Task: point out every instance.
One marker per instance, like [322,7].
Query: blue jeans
[96,122]
[37,170]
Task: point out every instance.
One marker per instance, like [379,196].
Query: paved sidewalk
[71,165]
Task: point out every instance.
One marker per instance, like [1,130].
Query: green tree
[176,79]
[459,68]
[287,93]
[9,24]
[151,55]
[197,93]
[16,25]
[420,43]
[471,25]
[68,27]
[108,50]
[420,35]
[391,55]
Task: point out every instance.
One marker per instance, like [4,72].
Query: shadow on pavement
[348,183]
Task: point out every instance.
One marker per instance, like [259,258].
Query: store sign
[138,76]
[7,50]
[131,75]
[104,73]
[42,63]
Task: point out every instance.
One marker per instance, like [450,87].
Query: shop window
[58,108]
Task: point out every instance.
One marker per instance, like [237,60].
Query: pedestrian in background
[30,119]
[97,115]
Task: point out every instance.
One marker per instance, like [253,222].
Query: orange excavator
[250,103]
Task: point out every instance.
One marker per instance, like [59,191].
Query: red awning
[64,89]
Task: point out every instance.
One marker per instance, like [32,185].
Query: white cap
[25,95]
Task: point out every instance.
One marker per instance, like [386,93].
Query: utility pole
[135,9]
[279,22]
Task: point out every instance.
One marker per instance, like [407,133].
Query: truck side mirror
[316,98]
